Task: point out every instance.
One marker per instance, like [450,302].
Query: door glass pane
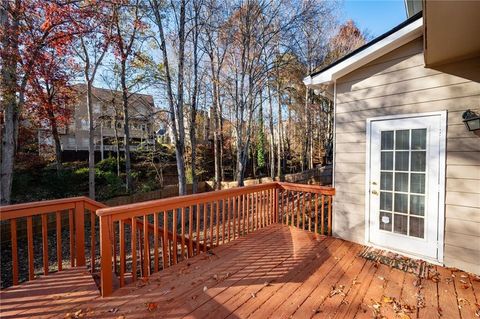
[419,139]
[418,161]
[386,181]
[386,161]
[417,227]
[386,221]
[387,140]
[402,140]
[400,224]
[401,182]
[417,205]
[401,203]
[417,183]
[385,201]
[401,161]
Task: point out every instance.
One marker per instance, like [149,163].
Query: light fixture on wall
[471,120]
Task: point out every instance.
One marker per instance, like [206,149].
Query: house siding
[399,83]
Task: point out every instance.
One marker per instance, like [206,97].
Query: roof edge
[392,38]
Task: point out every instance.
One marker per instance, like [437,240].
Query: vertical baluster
[165,244]
[257,210]
[190,231]
[58,220]
[234,218]
[248,213]
[197,213]
[72,241]
[270,206]
[155,241]
[316,213]
[13,233]
[45,243]
[146,247]
[287,209]
[224,207]
[281,211]
[298,209]
[80,233]
[121,238]
[211,224]
[204,227]
[106,280]
[217,217]
[303,209]
[322,215]
[134,248]
[183,232]
[309,210]
[330,202]
[262,209]
[31,269]
[92,241]
[244,213]
[228,218]
[114,249]
[174,251]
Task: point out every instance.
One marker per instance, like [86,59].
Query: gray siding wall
[398,83]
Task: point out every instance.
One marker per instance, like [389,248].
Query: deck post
[80,233]
[106,255]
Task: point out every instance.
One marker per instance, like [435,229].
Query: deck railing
[139,239]
[61,211]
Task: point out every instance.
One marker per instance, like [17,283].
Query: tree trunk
[91,146]
[126,128]
[272,139]
[8,102]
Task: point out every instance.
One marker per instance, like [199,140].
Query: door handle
[374,192]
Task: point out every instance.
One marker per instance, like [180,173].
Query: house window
[119,125]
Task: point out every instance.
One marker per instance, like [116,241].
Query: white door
[404,186]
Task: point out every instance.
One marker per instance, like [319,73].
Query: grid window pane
[385,201]
[401,161]
[387,140]
[417,183]
[419,139]
[401,203]
[386,181]
[402,140]
[401,182]
[417,205]
[386,162]
[417,227]
[386,221]
[418,161]
[400,224]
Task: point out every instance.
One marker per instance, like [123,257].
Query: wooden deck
[276,272]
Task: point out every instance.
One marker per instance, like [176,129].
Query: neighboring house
[108,123]
[406,168]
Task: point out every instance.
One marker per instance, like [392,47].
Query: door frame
[441,176]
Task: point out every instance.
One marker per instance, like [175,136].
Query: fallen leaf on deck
[205,288]
[463,301]
[381,277]
[463,281]
[113,310]
[336,291]
[254,295]
[386,299]
[194,297]
[464,276]
[356,282]
[465,286]
[151,306]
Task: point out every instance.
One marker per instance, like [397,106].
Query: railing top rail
[39,207]
[183,201]
[326,190]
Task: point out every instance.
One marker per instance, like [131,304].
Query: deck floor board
[275,272]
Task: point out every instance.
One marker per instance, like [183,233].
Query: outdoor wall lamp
[471,120]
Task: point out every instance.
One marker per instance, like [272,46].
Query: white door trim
[441,175]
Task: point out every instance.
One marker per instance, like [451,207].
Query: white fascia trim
[382,47]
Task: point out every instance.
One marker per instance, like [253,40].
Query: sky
[375,16]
